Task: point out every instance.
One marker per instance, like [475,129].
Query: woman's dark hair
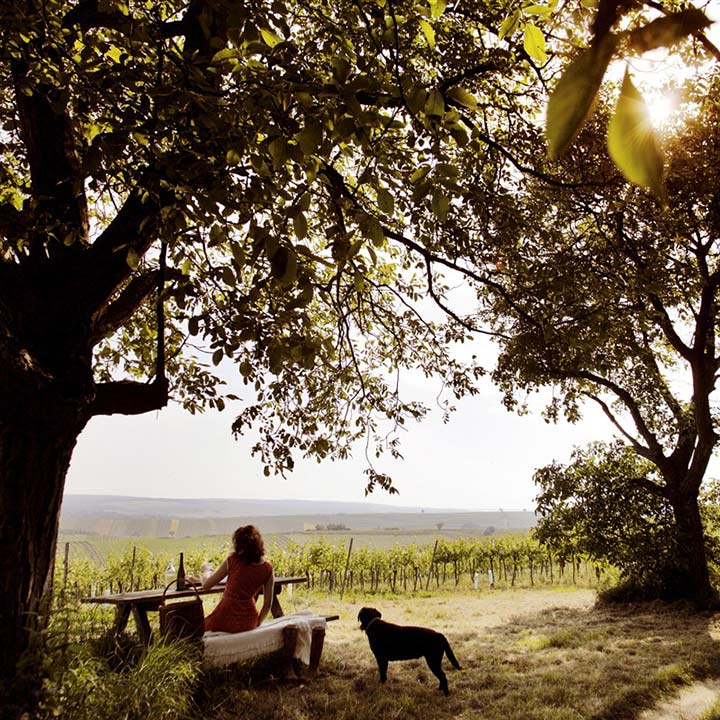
[248,543]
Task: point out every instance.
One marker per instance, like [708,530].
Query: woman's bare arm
[216,577]
[268,592]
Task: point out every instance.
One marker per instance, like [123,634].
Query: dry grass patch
[525,654]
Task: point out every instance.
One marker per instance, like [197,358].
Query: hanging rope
[160,313]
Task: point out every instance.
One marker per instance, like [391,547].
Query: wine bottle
[181,582]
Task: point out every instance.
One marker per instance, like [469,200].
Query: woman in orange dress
[247,573]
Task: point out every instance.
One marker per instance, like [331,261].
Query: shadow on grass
[559,664]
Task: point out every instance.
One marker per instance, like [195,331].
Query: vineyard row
[330,566]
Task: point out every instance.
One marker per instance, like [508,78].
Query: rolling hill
[113,516]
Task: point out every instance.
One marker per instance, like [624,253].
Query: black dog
[398,642]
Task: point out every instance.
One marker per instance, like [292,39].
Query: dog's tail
[451,655]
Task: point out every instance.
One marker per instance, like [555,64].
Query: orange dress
[236,611]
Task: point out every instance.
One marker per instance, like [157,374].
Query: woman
[247,574]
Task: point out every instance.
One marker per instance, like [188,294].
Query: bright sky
[484,458]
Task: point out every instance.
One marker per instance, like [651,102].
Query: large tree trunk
[692,557]
[36,444]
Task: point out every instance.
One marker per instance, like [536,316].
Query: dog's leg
[382,667]
[434,662]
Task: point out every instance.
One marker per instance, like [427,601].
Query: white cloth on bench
[225,648]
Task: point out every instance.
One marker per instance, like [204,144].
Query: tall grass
[91,673]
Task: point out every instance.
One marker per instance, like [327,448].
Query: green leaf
[278,152]
[114,53]
[224,54]
[509,25]
[428,32]
[542,10]
[437,7]
[462,96]
[385,201]
[435,105]
[440,205]
[372,229]
[270,38]
[17,200]
[632,143]
[217,356]
[534,43]
[309,138]
[232,157]
[419,174]
[300,225]
[132,258]
[574,96]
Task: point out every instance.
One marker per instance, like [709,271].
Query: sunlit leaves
[462,96]
[631,140]
[300,225]
[572,100]
[270,37]
[309,138]
[233,156]
[437,7]
[634,148]
[114,53]
[435,104]
[534,43]
[132,258]
[428,32]
[385,200]
[509,25]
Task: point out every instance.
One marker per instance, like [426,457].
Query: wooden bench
[297,640]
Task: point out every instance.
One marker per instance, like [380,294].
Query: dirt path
[688,704]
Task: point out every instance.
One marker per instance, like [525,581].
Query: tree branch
[627,399]
[662,317]
[338,183]
[460,321]
[126,397]
[105,264]
[117,313]
[650,486]
[640,449]
[697,34]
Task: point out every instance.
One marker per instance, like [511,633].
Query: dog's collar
[370,623]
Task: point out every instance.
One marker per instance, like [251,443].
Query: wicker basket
[183,619]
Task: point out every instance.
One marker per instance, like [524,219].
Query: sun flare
[662,109]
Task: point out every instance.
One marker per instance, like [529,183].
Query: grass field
[530,654]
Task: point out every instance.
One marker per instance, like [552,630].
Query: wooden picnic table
[140,602]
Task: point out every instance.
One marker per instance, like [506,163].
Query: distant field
[88,546]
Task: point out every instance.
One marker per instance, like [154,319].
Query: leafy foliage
[597,505]
[631,139]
